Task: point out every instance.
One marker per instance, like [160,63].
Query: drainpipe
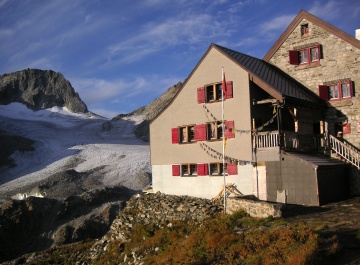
[278,109]
[255,159]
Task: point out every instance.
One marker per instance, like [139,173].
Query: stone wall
[254,208]
[340,62]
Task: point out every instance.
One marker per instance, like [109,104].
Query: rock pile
[156,209]
[159,208]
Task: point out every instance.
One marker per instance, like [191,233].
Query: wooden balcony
[290,141]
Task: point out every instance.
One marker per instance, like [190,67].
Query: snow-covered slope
[66,140]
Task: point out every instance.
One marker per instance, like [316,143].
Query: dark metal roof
[275,78]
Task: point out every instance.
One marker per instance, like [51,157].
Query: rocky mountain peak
[150,111]
[40,89]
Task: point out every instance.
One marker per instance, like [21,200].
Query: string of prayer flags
[217,155]
[266,123]
[207,111]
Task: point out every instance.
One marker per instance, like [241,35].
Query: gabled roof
[270,78]
[321,23]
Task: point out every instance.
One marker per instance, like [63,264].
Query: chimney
[357,34]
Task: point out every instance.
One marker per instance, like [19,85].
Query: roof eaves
[185,82]
[253,77]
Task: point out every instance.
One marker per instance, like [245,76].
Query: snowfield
[65,140]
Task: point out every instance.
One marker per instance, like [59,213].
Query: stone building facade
[332,63]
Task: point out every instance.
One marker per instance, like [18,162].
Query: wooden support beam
[264,101]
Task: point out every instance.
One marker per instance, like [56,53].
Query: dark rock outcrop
[40,89]
[11,143]
[35,224]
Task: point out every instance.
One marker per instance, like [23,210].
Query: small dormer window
[304,29]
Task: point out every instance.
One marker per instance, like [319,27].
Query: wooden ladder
[230,189]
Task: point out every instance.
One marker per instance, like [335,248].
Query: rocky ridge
[150,111]
[40,89]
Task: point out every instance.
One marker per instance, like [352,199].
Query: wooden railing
[295,141]
[347,152]
[266,139]
[290,140]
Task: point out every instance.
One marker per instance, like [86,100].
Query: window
[336,91]
[213,92]
[216,169]
[305,56]
[187,134]
[212,169]
[214,130]
[202,132]
[183,134]
[346,91]
[189,170]
[304,29]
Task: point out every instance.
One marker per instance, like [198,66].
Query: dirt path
[341,219]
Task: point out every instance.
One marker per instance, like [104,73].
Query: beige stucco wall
[185,110]
[340,60]
[202,186]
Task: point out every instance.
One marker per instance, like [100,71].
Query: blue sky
[121,55]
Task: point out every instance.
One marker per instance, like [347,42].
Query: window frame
[218,132]
[304,30]
[186,134]
[309,58]
[188,170]
[213,92]
[216,169]
[304,56]
[334,91]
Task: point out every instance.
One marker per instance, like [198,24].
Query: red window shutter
[202,169]
[229,89]
[201,95]
[294,57]
[231,169]
[229,129]
[176,170]
[347,128]
[200,132]
[175,135]
[324,92]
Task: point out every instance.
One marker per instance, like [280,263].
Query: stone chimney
[357,34]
